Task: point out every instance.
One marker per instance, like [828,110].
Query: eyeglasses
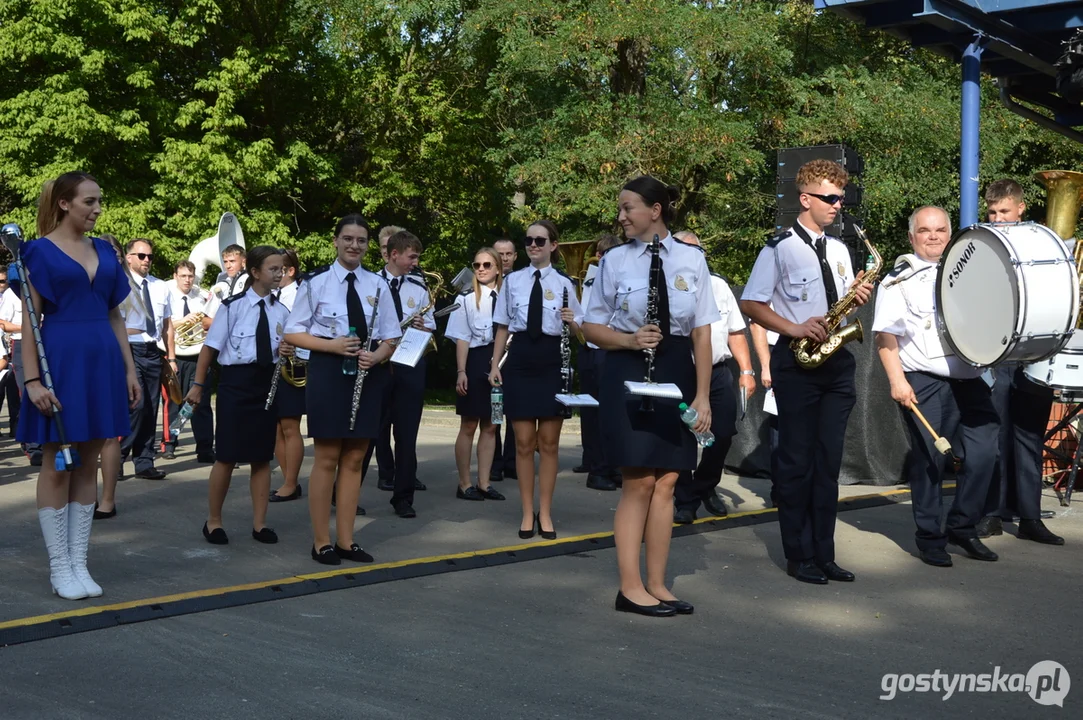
[539,241]
[347,240]
[479,265]
[142,256]
[829,199]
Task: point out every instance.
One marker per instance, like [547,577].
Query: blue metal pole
[969,133]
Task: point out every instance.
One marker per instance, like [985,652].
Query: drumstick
[941,443]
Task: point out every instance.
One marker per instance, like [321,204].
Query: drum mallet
[941,443]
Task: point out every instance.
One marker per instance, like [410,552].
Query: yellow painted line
[212,592]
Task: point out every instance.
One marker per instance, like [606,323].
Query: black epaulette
[589,283]
[613,247]
[896,272]
[774,241]
[314,272]
[233,298]
[561,272]
[416,281]
[691,245]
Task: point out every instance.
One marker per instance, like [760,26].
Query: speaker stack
[787,196]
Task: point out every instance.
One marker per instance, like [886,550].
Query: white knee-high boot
[80,518]
[54,528]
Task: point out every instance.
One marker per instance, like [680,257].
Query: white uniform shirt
[473,321]
[513,303]
[732,321]
[413,294]
[907,309]
[233,332]
[287,295]
[222,289]
[161,305]
[787,275]
[618,297]
[320,306]
[197,299]
[588,286]
[11,310]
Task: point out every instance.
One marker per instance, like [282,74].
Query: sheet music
[660,390]
[579,400]
[411,347]
[769,404]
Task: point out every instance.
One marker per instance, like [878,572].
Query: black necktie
[534,312]
[396,298]
[186,311]
[825,270]
[492,295]
[663,299]
[354,311]
[151,325]
[263,337]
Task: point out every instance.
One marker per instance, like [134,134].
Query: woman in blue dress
[76,284]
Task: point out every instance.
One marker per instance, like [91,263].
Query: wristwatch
[749,372]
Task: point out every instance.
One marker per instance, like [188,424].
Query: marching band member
[231,281]
[1023,407]
[10,387]
[289,400]
[650,448]
[948,392]
[333,299]
[504,452]
[727,340]
[187,301]
[148,320]
[530,307]
[802,272]
[76,284]
[471,327]
[245,337]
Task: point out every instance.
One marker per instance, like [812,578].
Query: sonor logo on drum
[957,271]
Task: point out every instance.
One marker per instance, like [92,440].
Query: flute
[359,379]
[274,383]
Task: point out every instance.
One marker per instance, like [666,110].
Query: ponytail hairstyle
[495,257]
[290,260]
[254,260]
[352,219]
[655,192]
[52,192]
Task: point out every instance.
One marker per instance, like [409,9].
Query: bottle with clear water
[183,416]
[689,415]
[496,402]
[349,363]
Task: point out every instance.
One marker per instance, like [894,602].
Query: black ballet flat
[265,535]
[355,553]
[680,606]
[103,515]
[490,493]
[215,537]
[295,495]
[623,604]
[546,534]
[471,493]
[326,556]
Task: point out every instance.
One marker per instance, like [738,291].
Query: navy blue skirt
[475,404]
[532,378]
[290,400]
[658,439]
[244,431]
[329,396]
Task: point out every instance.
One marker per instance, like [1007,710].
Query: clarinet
[566,361]
[359,379]
[274,383]
[651,317]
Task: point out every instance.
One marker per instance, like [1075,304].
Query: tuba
[578,256]
[209,250]
[1064,192]
[811,354]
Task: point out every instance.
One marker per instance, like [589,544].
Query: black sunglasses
[480,265]
[143,256]
[829,199]
[539,241]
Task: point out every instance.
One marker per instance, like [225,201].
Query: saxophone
[811,354]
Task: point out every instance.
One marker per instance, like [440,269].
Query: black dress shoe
[805,571]
[205,458]
[623,604]
[326,556]
[266,535]
[937,557]
[546,534]
[490,493]
[385,485]
[152,473]
[834,572]
[418,485]
[1028,530]
[680,606]
[714,505]
[105,515]
[974,548]
[471,493]
[580,469]
[527,534]
[988,526]
[405,510]
[295,495]
[215,537]
[684,516]
[355,553]
[600,482]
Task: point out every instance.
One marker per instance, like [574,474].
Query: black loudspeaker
[788,198]
[790,160]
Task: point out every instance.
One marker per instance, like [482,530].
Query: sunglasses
[539,241]
[143,256]
[829,199]
[479,265]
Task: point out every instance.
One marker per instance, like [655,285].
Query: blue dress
[80,345]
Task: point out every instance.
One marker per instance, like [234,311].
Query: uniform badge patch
[549,295]
[410,303]
[680,283]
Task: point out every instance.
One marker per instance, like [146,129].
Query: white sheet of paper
[577,400]
[411,347]
[302,354]
[661,390]
[769,404]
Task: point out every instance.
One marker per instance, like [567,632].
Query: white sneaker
[80,518]
[54,528]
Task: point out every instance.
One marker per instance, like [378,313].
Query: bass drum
[1006,292]
[1063,371]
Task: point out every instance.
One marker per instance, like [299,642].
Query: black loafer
[405,510]
[490,493]
[684,516]
[834,572]
[623,604]
[601,482]
[680,606]
[580,469]
[105,515]
[805,571]
[989,526]
[714,505]
[937,557]
[385,485]
[974,548]
[326,556]
[471,493]
[1028,530]
[355,553]
[295,495]
[151,474]
[215,537]
[266,535]
[418,485]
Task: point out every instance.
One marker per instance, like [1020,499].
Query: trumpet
[437,287]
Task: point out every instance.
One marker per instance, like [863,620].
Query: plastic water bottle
[496,402]
[689,415]
[349,363]
[183,416]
